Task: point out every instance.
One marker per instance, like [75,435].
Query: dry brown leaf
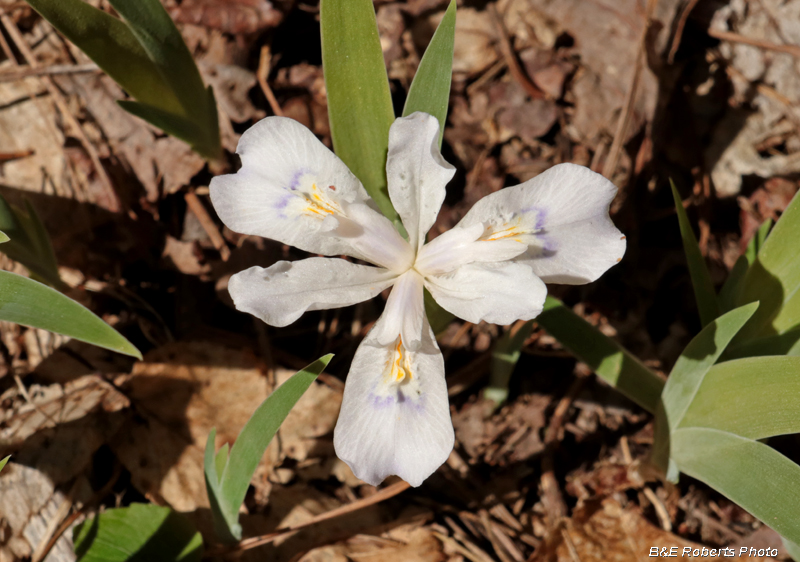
[179,392]
[230,16]
[53,405]
[604,531]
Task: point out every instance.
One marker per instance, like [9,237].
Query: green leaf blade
[756,398]
[774,279]
[359,103]
[110,43]
[430,89]
[138,533]
[250,446]
[30,303]
[728,463]
[4,462]
[505,356]
[704,292]
[696,360]
[607,358]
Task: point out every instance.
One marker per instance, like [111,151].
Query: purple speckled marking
[294,183]
[541,216]
[400,398]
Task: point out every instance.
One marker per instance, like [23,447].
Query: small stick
[661,511]
[113,202]
[19,73]
[197,208]
[676,39]
[262,73]
[247,544]
[511,58]
[610,165]
[731,37]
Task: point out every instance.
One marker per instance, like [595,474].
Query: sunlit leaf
[227,490]
[111,44]
[146,55]
[687,376]
[696,360]
[704,292]
[156,32]
[756,397]
[30,303]
[774,280]
[430,89]
[4,461]
[138,533]
[359,103]
[3,237]
[792,549]
[752,474]
[612,362]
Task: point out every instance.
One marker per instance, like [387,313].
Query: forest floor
[706,94]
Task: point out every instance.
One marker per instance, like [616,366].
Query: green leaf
[704,292]
[227,490]
[774,280]
[156,32]
[505,356]
[756,397]
[430,89]
[3,237]
[145,55]
[138,533]
[732,287]
[359,103]
[612,362]
[111,44]
[792,549]
[696,360]
[687,376]
[755,476]
[175,125]
[28,302]
[4,461]
[787,343]
[28,242]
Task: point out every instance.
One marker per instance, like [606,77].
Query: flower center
[318,203]
[398,368]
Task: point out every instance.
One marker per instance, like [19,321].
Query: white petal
[292,189]
[460,246]
[395,417]
[404,313]
[280,294]
[416,173]
[496,293]
[562,214]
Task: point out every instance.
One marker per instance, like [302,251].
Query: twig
[16,155]
[661,511]
[511,58]
[253,542]
[199,211]
[56,69]
[731,37]
[676,39]
[262,74]
[610,165]
[113,203]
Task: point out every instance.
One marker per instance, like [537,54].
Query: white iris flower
[492,266]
